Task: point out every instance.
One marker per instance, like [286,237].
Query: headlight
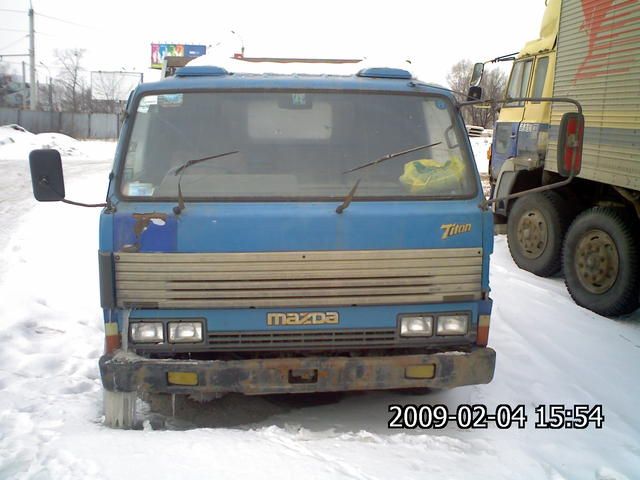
[147,332]
[185,332]
[453,324]
[416,326]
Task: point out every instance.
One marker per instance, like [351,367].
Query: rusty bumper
[127,373]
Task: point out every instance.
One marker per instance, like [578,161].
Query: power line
[12,30]
[13,43]
[63,20]
[11,10]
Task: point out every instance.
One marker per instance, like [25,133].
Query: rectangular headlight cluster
[416,325]
[147,332]
[185,332]
[177,332]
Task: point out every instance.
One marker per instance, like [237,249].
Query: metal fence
[77,125]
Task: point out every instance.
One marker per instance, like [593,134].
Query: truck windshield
[295,145]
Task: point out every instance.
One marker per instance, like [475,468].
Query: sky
[117,34]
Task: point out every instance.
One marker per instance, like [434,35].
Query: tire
[535,230]
[600,261]
[120,409]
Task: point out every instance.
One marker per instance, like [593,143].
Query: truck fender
[512,179]
[504,185]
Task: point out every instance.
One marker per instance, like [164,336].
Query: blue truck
[269,233]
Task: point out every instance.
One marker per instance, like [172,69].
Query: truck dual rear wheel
[601,261]
[535,230]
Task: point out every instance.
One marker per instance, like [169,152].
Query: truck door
[532,135]
[506,131]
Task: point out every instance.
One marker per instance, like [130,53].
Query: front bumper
[125,372]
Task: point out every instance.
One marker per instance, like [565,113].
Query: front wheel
[535,229]
[601,260]
[120,409]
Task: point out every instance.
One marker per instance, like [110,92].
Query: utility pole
[24,87]
[33,97]
[50,82]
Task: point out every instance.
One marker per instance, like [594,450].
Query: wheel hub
[532,233]
[597,261]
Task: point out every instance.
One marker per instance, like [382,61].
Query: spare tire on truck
[535,230]
[601,259]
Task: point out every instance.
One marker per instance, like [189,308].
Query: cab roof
[200,77]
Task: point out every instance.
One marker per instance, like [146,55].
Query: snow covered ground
[549,351]
[480,145]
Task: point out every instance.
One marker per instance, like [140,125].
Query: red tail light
[570,138]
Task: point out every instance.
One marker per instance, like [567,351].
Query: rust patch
[267,376]
[142,223]
[143,220]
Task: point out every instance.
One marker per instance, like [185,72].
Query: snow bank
[16,143]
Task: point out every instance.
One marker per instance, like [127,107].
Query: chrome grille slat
[297,279]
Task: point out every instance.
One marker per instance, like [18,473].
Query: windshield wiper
[180,171]
[390,156]
[347,200]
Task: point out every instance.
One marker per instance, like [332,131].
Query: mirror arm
[510,57]
[524,99]
[552,186]
[80,204]
[45,182]
[486,202]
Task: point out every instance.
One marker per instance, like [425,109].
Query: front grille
[303,340]
[297,279]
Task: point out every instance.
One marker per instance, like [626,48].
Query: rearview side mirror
[476,76]
[570,138]
[46,175]
[474,93]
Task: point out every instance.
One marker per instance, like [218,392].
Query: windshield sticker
[441,104]
[146,102]
[170,100]
[138,189]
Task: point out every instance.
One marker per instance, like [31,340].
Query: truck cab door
[505,137]
[532,136]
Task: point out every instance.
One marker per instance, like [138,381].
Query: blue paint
[504,145]
[226,320]
[298,226]
[288,226]
[487,247]
[397,73]
[484,307]
[515,139]
[106,232]
[527,144]
[158,235]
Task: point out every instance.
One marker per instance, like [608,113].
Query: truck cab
[522,129]
[292,233]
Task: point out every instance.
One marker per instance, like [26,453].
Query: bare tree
[4,82]
[107,86]
[71,79]
[107,90]
[493,86]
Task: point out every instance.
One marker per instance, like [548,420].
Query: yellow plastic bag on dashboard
[428,175]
